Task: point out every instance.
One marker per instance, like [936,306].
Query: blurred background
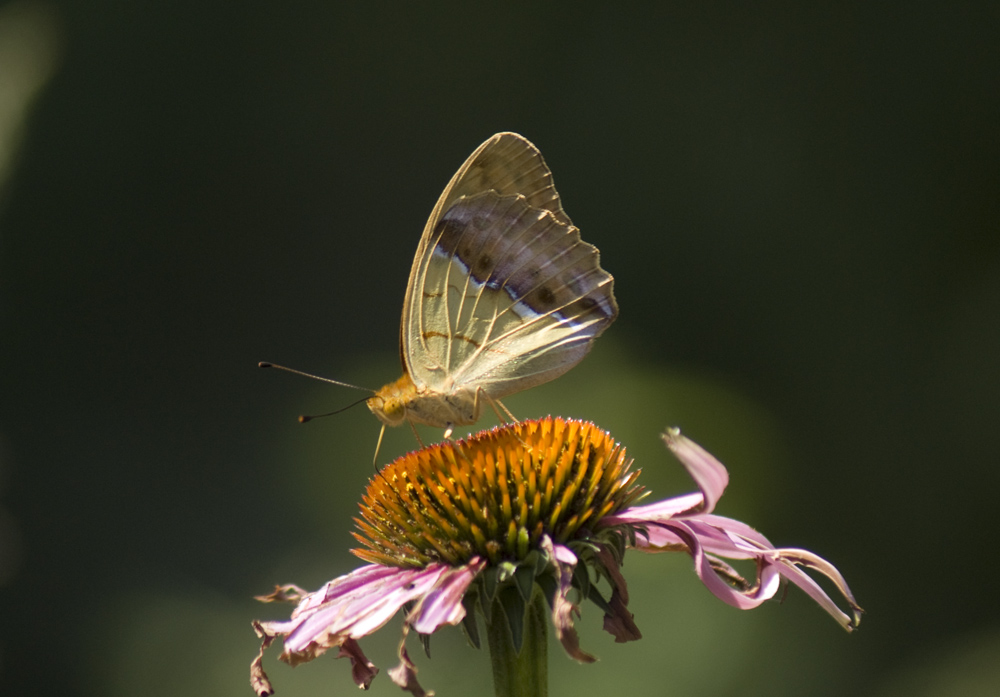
[799,204]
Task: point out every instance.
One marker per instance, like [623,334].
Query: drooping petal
[706,537]
[562,609]
[405,674]
[326,616]
[788,562]
[443,604]
[723,536]
[350,607]
[619,621]
[735,528]
[362,670]
[258,678]
[717,535]
[766,586]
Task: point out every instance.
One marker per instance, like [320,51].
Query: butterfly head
[389,403]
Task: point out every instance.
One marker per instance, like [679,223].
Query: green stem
[523,674]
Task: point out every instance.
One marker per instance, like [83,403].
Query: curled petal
[707,537]
[739,533]
[619,621]
[767,584]
[362,670]
[723,536]
[708,473]
[258,678]
[787,563]
[283,594]
[405,674]
[562,609]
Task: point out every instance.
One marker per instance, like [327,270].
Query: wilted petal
[619,622]
[562,609]
[346,608]
[788,561]
[289,593]
[362,670]
[258,678]
[405,674]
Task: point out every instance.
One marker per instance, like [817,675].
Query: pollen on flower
[495,494]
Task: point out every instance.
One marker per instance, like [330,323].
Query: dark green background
[799,203]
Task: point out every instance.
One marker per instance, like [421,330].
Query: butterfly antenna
[305,419]
[265,364]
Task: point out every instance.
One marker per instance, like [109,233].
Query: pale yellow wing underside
[503,294]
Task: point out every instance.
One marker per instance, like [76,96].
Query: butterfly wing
[503,294]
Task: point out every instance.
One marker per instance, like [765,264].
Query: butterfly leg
[494,403]
[417,435]
[513,419]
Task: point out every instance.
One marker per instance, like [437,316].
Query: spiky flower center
[494,494]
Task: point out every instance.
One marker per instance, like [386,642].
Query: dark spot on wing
[541,300]
[483,266]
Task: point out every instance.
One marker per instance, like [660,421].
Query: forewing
[507,163]
[510,296]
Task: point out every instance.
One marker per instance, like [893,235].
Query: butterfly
[503,294]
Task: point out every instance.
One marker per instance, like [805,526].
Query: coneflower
[514,525]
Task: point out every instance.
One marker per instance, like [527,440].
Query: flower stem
[524,673]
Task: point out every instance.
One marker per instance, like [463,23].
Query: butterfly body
[503,294]
[402,400]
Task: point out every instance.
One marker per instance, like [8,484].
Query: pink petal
[787,565]
[767,584]
[736,527]
[443,604]
[562,609]
[708,473]
[360,611]
[659,511]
